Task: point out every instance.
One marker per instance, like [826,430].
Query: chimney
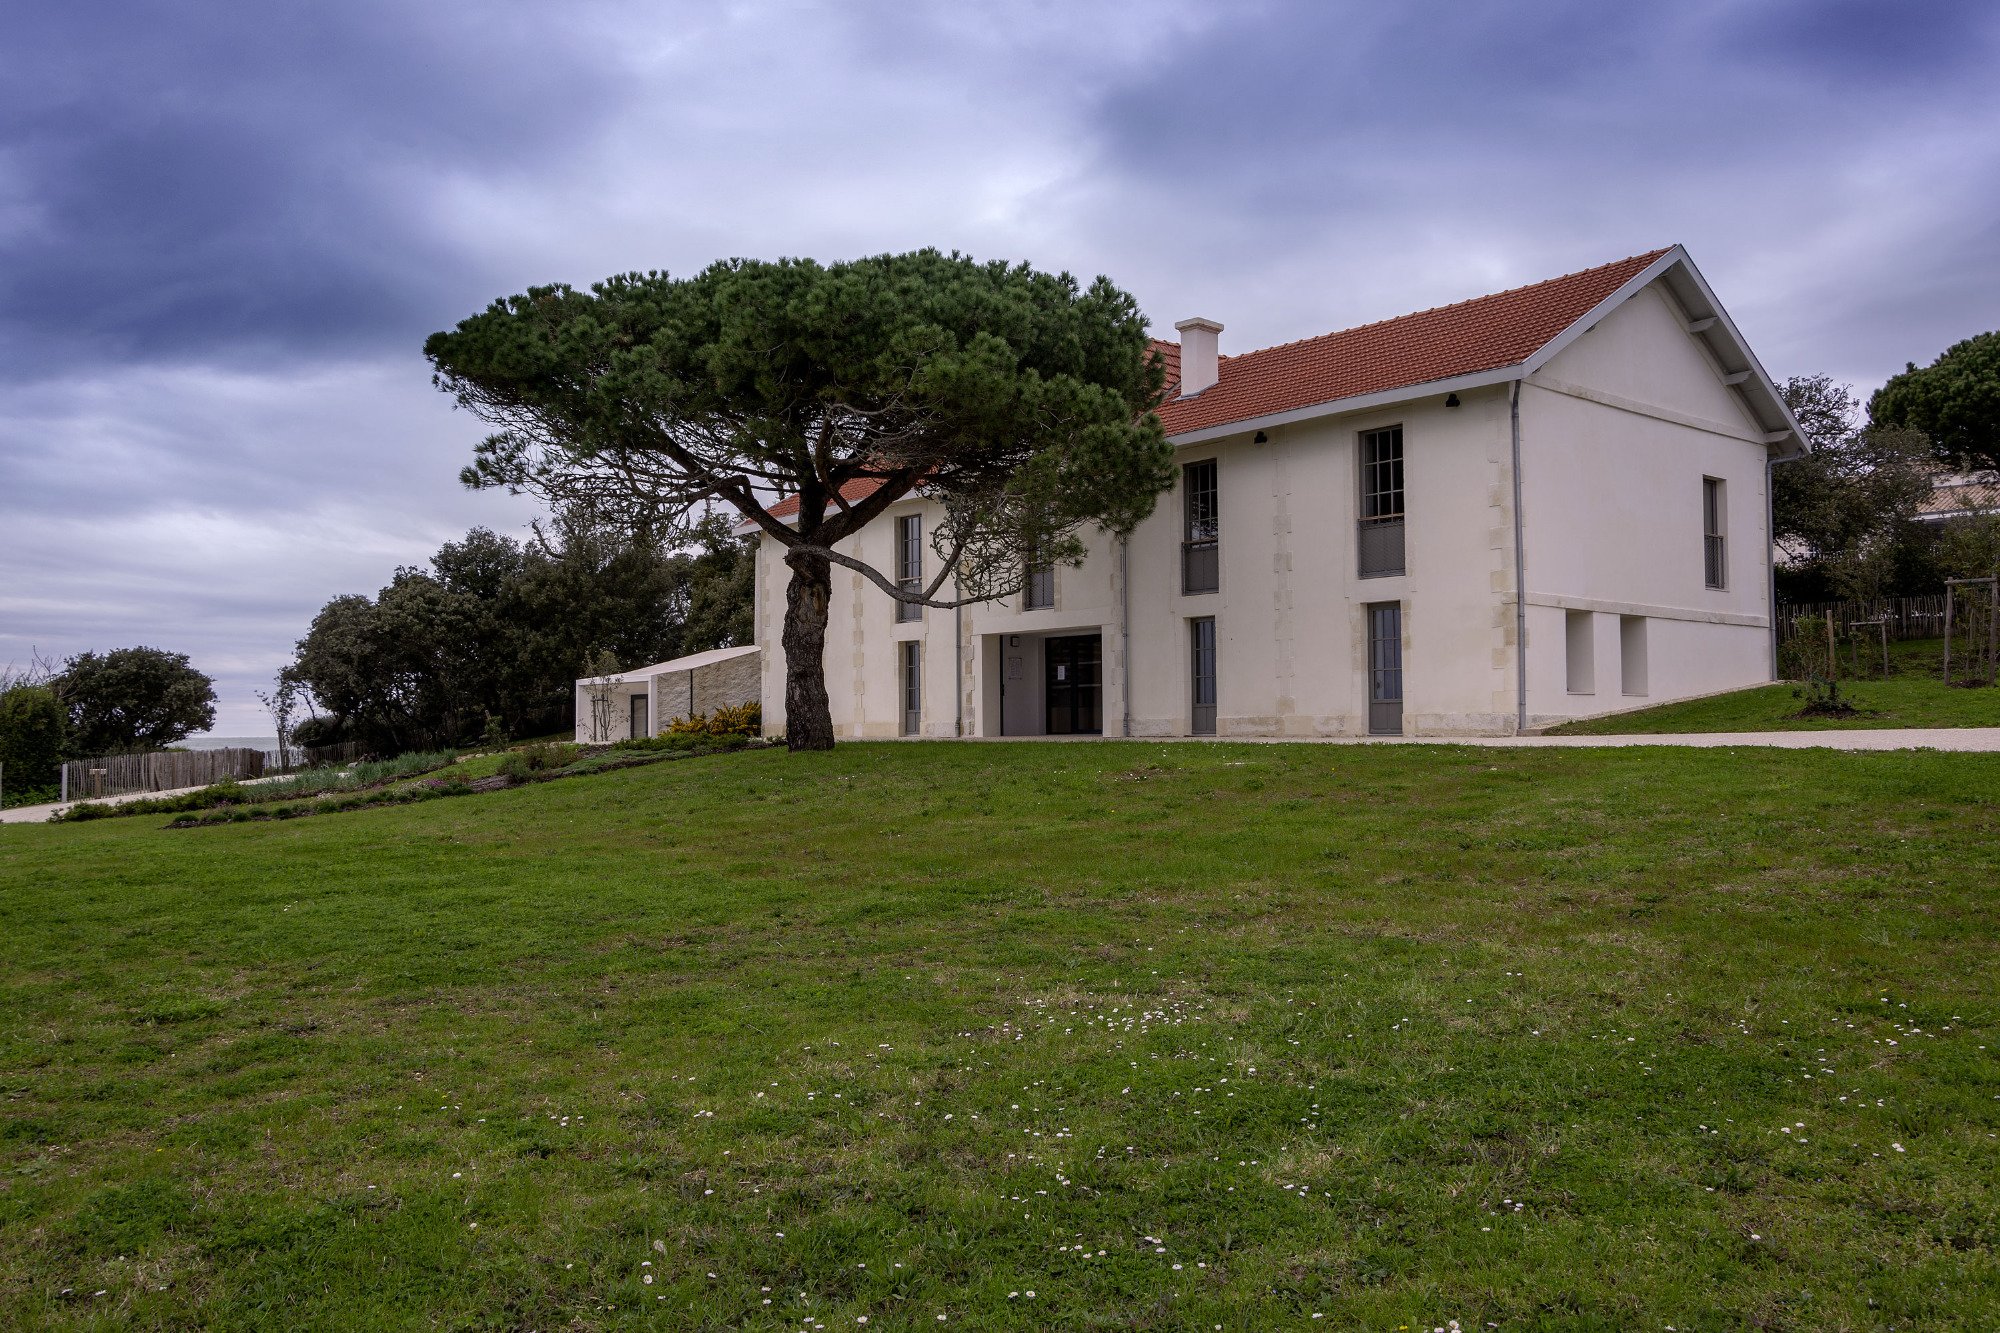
[1199,369]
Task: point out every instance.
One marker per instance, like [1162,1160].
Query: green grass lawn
[1913,695]
[1017,1036]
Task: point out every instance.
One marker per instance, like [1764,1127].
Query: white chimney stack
[1199,360]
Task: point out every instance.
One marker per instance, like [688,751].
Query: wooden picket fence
[1907,617]
[162,770]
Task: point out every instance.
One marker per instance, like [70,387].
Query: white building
[1543,504]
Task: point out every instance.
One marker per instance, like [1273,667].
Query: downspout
[1125,630]
[957,660]
[1520,573]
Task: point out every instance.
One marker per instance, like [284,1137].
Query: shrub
[742,720]
[541,757]
[1811,659]
[33,726]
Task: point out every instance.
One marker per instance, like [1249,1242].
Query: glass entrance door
[641,728]
[1385,668]
[1074,684]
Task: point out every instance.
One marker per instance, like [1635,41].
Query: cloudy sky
[226,228]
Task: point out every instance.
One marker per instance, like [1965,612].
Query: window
[1632,655]
[1579,652]
[1040,592]
[1715,551]
[1381,535]
[1201,567]
[913,685]
[1201,672]
[640,728]
[1385,668]
[909,564]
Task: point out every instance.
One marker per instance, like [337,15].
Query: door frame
[1050,663]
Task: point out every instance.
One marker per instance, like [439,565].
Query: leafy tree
[494,633]
[1017,400]
[1845,514]
[1955,401]
[33,729]
[721,590]
[133,699]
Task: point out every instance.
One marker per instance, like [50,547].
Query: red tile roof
[1171,354]
[852,492]
[1485,333]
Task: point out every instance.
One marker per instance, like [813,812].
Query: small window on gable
[1714,534]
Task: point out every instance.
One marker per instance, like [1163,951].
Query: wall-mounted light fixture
[1260,438]
[1451,400]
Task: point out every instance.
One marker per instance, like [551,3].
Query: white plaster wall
[1290,628]
[621,711]
[1617,433]
[1291,642]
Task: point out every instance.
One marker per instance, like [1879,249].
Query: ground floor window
[1201,672]
[640,727]
[1385,668]
[913,686]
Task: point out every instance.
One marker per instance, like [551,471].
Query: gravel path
[33,814]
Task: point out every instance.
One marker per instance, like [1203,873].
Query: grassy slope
[1914,695]
[1525,1025]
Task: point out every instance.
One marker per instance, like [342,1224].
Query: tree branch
[876,577]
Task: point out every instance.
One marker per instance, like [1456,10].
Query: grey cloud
[246,181]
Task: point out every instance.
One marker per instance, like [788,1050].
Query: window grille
[1381,525]
[1201,564]
[1040,592]
[909,564]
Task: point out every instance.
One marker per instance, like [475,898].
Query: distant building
[1961,495]
[1543,504]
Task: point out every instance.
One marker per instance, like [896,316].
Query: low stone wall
[730,684]
[727,684]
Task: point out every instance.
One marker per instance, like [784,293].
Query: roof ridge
[1648,255]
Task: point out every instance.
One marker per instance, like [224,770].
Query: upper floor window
[1039,594]
[1714,534]
[909,564]
[1201,509]
[1381,508]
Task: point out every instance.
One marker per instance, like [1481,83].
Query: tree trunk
[808,716]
